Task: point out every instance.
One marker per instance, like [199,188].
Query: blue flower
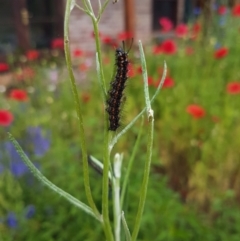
[30,211]
[11,220]
[17,166]
[40,143]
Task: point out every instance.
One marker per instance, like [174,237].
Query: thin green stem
[117,164]
[145,76]
[82,9]
[130,164]
[143,192]
[78,109]
[99,56]
[105,188]
[49,184]
[89,6]
[102,10]
[126,229]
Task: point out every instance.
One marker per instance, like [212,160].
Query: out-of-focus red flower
[85,97]
[4,67]
[233,88]
[221,53]
[168,83]
[150,81]
[6,118]
[83,67]
[32,54]
[109,40]
[196,111]
[222,10]
[131,71]
[125,35]
[139,70]
[196,28]
[166,24]
[181,30]
[57,43]
[19,95]
[189,50]
[169,47]
[77,53]
[157,49]
[236,10]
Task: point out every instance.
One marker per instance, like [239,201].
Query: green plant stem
[99,56]
[117,164]
[49,184]
[130,164]
[78,109]
[126,229]
[105,189]
[143,192]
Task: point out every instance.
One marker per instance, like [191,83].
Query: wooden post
[21,22]
[129,18]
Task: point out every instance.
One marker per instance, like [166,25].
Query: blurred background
[194,189]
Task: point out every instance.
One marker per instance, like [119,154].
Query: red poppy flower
[196,28]
[57,43]
[168,83]
[221,53]
[150,80]
[131,71]
[236,10]
[233,88]
[166,24]
[124,36]
[107,40]
[157,49]
[169,47]
[195,111]
[181,30]
[4,67]
[6,118]
[32,54]
[222,10]
[19,95]
[77,53]
[139,69]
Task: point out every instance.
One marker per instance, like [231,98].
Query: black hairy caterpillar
[117,86]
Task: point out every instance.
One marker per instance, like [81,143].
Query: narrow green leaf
[125,228]
[49,184]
